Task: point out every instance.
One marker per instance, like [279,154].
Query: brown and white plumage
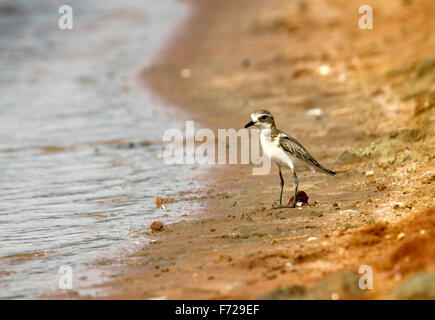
[293,147]
[284,150]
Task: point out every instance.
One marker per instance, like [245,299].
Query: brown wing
[293,147]
[290,145]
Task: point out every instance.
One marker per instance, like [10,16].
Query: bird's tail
[327,171]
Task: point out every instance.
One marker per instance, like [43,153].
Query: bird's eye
[263,117]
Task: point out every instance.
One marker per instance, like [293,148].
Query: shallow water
[79,138]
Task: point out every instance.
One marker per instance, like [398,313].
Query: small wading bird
[284,150]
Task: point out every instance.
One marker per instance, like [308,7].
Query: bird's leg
[282,186]
[296,189]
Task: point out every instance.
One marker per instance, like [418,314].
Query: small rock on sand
[370,173]
[400,236]
[381,186]
[301,197]
[316,112]
[398,205]
[324,70]
[157,226]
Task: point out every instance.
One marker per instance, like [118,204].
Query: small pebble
[398,205]
[324,70]
[316,112]
[370,173]
[400,236]
[349,211]
[381,187]
[185,73]
[156,226]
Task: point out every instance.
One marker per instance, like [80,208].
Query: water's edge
[80,150]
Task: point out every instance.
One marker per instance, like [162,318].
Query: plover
[284,150]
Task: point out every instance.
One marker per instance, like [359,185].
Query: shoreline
[240,246]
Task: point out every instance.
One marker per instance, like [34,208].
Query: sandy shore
[376,92]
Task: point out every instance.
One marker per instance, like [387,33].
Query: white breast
[274,151]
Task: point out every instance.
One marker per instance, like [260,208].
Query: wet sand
[375,89]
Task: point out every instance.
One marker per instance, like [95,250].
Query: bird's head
[262,119]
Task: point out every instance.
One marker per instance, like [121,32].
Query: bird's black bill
[251,123]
